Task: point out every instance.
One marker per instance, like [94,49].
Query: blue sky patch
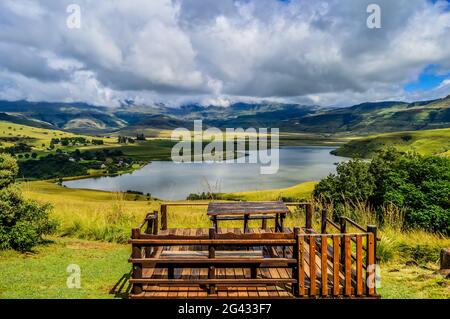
[430,78]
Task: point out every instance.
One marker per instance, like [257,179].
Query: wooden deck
[196,291]
[261,262]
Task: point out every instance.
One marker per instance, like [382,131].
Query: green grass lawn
[42,273]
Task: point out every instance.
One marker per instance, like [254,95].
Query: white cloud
[178,50]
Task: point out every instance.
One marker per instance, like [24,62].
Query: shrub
[22,222]
[418,185]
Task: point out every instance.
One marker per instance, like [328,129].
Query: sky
[218,52]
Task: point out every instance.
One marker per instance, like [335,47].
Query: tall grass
[109,217]
[89,214]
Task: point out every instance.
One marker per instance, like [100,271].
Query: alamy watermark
[73,20]
[235,145]
[74,279]
[374,18]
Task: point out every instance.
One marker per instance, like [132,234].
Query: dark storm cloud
[319,51]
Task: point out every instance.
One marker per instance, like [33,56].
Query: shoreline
[218,192]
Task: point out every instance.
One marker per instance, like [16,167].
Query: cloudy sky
[213,52]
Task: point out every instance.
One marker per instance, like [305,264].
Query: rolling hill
[361,119]
[424,142]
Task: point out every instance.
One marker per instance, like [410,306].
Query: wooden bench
[263,218]
[246,211]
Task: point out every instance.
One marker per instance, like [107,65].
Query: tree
[140,137]
[22,222]
[418,184]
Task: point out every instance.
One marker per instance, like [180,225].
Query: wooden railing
[141,242]
[326,267]
[321,264]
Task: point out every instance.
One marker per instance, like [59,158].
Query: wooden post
[372,257]
[373,229]
[312,265]
[324,265]
[277,224]
[323,226]
[297,267]
[264,224]
[253,272]
[163,217]
[343,230]
[155,223]
[309,213]
[149,230]
[136,252]
[336,288]
[282,216]
[246,223]
[347,265]
[216,227]
[359,265]
[370,263]
[212,254]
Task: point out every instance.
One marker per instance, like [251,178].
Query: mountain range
[377,117]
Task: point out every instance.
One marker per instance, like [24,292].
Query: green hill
[424,142]
[365,118]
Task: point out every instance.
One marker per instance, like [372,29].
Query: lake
[175,181]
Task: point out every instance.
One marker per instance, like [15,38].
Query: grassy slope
[38,136]
[424,142]
[300,191]
[103,216]
[89,214]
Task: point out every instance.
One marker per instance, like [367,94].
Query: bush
[22,221]
[23,236]
[420,185]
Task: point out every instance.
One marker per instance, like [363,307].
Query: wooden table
[248,210]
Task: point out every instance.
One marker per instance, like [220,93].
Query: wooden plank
[204,261]
[324,266]
[241,208]
[255,235]
[219,242]
[272,291]
[335,265]
[359,266]
[283,273]
[347,266]
[301,267]
[370,265]
[312,265]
